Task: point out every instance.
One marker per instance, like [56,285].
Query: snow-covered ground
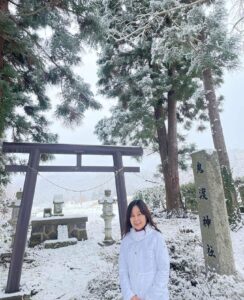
[88,271]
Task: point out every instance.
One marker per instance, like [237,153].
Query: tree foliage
[148,75]
[40,41]
[134,72]
[158,52]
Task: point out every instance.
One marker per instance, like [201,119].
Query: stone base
[106,243]
[15,296]
[47,228]
[54,244]
[6,258]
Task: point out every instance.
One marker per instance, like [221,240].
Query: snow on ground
[88,271]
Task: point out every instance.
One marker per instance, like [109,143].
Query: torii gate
[32,169]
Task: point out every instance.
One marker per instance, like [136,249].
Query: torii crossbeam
[32,168]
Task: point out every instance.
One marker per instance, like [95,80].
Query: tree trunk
[173,153]
[163,146]
[3,11]
[171,178]
[214,117]
[220,147]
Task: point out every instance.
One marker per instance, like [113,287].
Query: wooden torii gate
[32,168]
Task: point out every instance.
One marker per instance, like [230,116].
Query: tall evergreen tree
[40,41]
[213,52]
[153,94]
[202,30]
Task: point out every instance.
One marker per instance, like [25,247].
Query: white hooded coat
[144,265]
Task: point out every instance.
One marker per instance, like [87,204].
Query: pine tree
[154,92]
[213,51]
[40,42]
[202,30]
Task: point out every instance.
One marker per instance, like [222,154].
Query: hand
[135,298]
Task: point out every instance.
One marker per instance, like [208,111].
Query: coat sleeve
[124,274]
[159,288]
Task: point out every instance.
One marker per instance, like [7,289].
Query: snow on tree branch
[145,21]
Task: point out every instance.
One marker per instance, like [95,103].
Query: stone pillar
[217,247]
[107,202]
[14,216]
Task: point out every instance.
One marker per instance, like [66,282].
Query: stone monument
[47,212]
[241,191]
[107,202]
[58,203]
[213,217]
[15,205]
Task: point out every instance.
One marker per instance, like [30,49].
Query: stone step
[54,244]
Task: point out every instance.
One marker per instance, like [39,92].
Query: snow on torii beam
[32,168]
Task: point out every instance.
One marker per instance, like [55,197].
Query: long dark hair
[144,210]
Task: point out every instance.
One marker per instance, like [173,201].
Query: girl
[143,258]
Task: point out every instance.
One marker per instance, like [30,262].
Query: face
[137,219]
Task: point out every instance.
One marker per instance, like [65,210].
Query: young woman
[143,259]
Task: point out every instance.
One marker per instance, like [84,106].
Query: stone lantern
[58,205]
[15,205]
[107,202]
[241,191]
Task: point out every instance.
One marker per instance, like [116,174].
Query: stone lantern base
[106,243]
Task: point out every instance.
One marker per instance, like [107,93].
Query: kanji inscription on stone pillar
[217,247]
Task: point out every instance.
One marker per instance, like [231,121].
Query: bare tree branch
[16,4]
[237,13]
[239,21]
